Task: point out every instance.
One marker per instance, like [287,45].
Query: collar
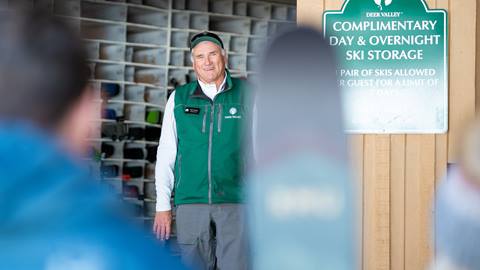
[212,86]
[198,93]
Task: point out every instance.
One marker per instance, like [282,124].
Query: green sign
[392,65]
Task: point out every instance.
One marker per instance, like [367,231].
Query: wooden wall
[397,174]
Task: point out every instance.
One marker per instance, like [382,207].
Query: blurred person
[200,157]
[457,209]
[52,214]
[300,192]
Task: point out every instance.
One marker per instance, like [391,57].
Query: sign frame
[445,88]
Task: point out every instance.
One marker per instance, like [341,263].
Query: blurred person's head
[300,180]
[469,157]
[457,223]
[43,75]
[208,57]
[51,215]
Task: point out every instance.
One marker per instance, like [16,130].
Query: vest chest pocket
[232,111]
[230,118]
[191,121]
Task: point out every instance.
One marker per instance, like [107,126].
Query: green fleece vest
[210,164]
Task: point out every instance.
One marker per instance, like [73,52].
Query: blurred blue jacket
[53,215]
[457,225]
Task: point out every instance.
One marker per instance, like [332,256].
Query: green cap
[205,36]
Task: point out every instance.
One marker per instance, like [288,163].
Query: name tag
[192,110]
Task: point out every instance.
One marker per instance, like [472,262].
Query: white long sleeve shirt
[167,148]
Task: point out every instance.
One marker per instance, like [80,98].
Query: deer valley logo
[233,114]
[382,3]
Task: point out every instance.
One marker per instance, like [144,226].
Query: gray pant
[212,236]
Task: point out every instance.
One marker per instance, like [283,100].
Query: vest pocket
[179,172]
[220,116]
[204,123]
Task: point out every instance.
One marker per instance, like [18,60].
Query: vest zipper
[219,124]
[210,142]
[204,119]
[179,170]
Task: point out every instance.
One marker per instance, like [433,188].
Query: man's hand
[162,225]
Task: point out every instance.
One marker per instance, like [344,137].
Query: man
[52,215]
[200,156]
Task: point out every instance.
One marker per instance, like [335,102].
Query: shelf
[126,160]
[157,37]
[110,22]
[142,16]
[145,6]
[102,120]
[234,16]
[96,10]
[146,104]
[180,49]
[240,53]
[227,51]
[143,48]
[220,33]
[125,63]
[131,44]
[130,83]
[277,8]
[134,74]
[125,141]
[181,67]
[144,180]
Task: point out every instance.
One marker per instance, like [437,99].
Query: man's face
[208,62]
